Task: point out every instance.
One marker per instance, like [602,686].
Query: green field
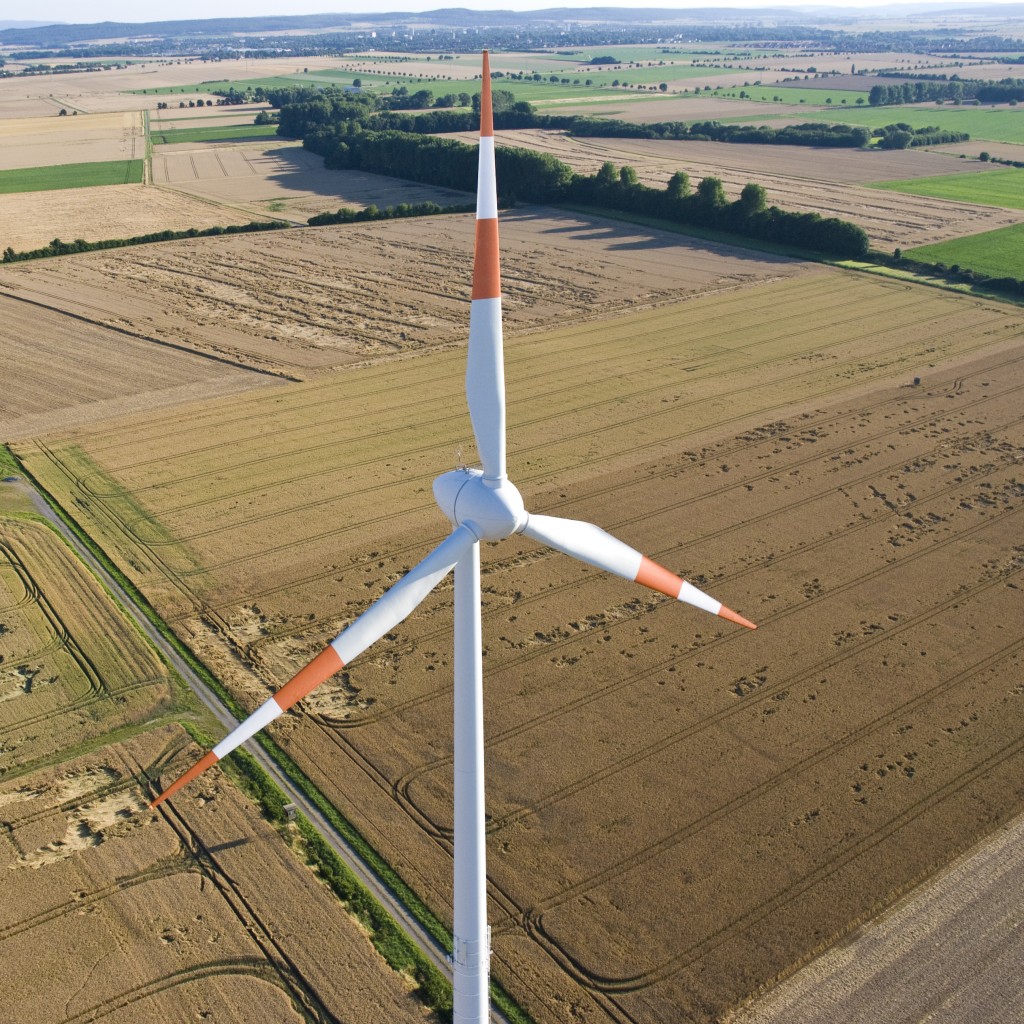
[223,85]
[45,179]
[212,133]
[997,253]
[791,94]
[989,188]
[1000,124]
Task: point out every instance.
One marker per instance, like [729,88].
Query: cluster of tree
[59,248]
[955,274]
[931,87]
[527,176]
[350,113]
[707,207]
[813,133]
[346,215]
[902,136]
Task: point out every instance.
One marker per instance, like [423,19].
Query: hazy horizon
[70,11]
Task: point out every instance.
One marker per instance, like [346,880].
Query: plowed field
[796,178]
[109,911]
[678,811]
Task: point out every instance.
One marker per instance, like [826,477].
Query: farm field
[999,124]
[32,219]
[992,188]
[40,142]
[301,302]
[61,176]
[213,133]
[731,802]
[111,911]
[72,668]
[997,253]
[283,180]
[793,180]
[62,371]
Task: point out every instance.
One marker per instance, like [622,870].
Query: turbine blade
[485,368]
[593,545]
[383,615]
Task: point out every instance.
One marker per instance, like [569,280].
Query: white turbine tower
[482,505]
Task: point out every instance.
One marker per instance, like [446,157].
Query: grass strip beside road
[61,176]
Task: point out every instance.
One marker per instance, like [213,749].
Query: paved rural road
[421,937]
[950,953]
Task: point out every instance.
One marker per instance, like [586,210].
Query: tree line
[59,248]
[934,87]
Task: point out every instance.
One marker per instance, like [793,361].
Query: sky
[76,12]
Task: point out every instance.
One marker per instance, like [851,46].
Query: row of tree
[313,114]
[528,176]
[926,89]
[59,248]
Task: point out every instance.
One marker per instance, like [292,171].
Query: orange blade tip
[208,760]
[728,613]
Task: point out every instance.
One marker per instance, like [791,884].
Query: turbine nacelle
[492,509]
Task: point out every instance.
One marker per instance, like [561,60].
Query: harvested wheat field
[62,370]
[299,302]
[796,178]
[72,667]
[114,912]
[679,811]
[283,181]
[33,219]
[44,141]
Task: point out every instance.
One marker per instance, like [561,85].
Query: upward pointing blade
[384,614]
[485,368]
[593,545]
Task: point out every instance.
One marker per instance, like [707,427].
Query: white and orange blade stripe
[485,366]
[596,547]
[382,616]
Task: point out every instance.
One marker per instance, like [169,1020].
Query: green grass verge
[223,85]
[384,871]
[989,188]
[59,176]
[213,133]
[998,253]
[999,124]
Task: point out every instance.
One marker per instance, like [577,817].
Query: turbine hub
[492,509]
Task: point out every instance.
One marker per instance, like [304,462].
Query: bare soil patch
[728,803]
[283,181]
[302,301]
[201,912]
[675,108]
[796,178]
[44,141]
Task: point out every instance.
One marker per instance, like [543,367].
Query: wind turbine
[482,505]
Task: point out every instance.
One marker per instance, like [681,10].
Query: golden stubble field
[300,302]
[828,182]
[113,912]
[72,668]
[679,811]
